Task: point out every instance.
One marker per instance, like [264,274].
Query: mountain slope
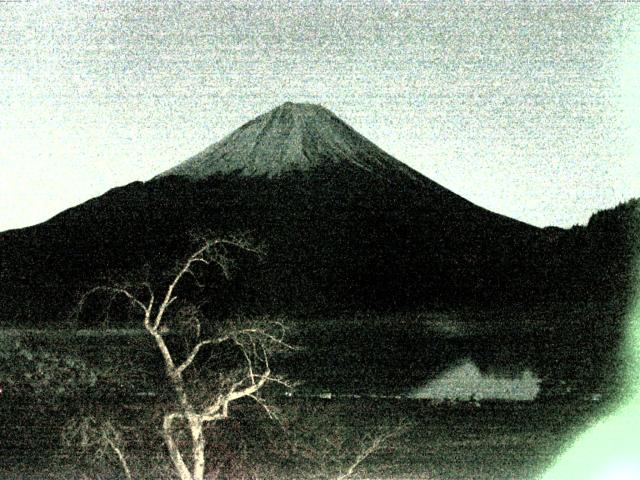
[347,228]
[291,137]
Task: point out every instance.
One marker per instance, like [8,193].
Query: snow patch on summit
[291,137]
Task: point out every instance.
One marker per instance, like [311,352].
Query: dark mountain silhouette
[597,260]
[349,232]
[346,226]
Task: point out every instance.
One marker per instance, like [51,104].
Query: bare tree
[100,436]
[254,340]
[331,447]
[368,446]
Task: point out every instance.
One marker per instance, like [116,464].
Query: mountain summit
[291,137]
[347,227]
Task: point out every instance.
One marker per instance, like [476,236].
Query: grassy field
[501,440]
[495,440]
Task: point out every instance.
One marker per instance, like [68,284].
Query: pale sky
[528,109]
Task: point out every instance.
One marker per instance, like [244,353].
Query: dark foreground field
[317,437]
[493,441]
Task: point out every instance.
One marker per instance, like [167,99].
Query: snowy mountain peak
[291,137]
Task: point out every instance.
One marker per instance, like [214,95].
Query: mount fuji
[346,226]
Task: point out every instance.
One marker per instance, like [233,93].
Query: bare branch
[374,444]
[194,353]
[247,359]
[121,458]
[99,436]
[114,291]
[168,297]
[256,342]
[206,254]
[272,412]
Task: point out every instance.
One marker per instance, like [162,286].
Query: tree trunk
[198,442]
[174,451]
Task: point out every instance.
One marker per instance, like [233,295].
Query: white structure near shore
[467,382]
